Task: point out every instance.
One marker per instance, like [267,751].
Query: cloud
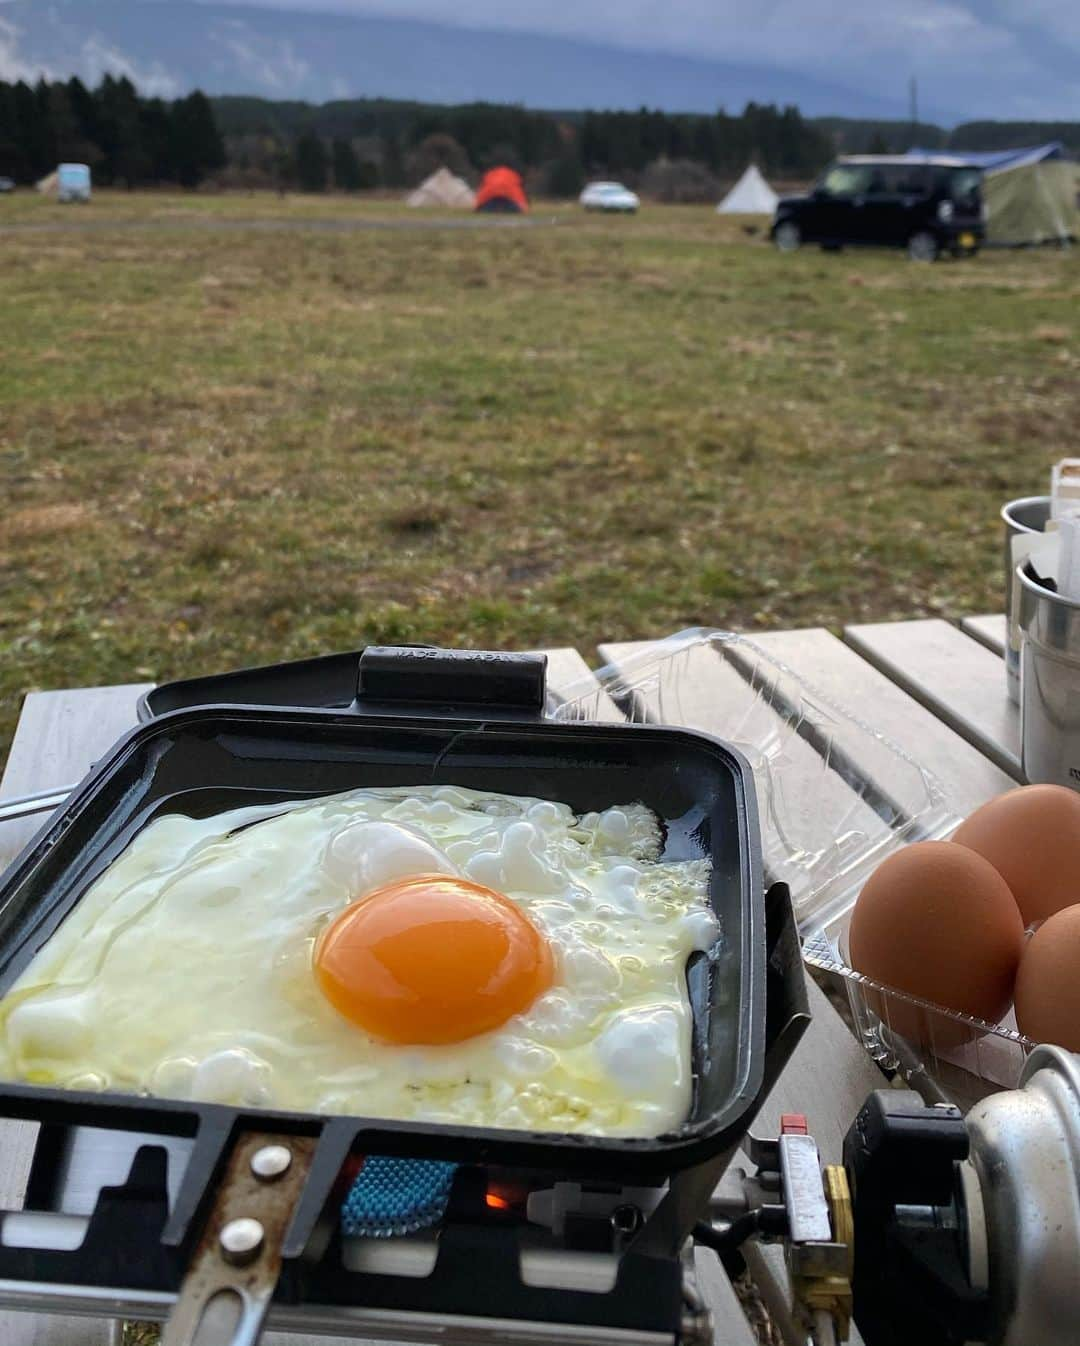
[272,63]
[995,52]
[98,58]
[94,57]
[12,66]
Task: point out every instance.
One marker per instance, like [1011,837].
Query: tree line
[365,143]
[127,140]
[393,144]
[862,136]
[132,141]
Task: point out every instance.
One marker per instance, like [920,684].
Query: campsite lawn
[223,444]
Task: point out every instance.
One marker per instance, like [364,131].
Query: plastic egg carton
[835,798]
[956,1057]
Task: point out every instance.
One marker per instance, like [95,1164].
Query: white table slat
[957,678]
[57,740]
[968,777]
[991,631]
[815,654]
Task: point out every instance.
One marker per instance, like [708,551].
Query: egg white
[186,969]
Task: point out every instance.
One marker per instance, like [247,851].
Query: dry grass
[231,444]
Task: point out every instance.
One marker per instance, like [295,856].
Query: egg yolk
[432,959]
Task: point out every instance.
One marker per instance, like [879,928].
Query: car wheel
[923,247]
[787,236]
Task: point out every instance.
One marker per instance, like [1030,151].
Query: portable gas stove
[220,1216]
[516,1258]
[937,1229]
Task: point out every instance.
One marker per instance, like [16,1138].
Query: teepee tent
[751,195]
[443,189]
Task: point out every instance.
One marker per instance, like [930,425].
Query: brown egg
[938,922]
[1032,838]
[1048,983]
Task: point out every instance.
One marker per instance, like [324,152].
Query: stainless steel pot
[1029,515]
[1049,683]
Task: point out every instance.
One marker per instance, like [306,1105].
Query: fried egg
[422,953]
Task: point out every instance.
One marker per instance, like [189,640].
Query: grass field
[226,441]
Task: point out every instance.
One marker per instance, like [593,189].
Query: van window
[963,185]
[898,180]
[846,180]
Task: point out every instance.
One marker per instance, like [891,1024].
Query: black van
[927,205]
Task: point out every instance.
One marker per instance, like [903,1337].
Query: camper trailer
[73,182]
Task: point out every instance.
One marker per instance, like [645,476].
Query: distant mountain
[170,46]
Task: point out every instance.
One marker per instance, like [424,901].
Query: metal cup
[1029,515]
[1049,684]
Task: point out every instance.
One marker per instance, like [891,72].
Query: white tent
[751,195]
[444,189]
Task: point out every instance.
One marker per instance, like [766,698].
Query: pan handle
[226,1292]
[787,1006]
[425,680]
[231,1316]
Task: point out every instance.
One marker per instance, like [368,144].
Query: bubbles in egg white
[185,971]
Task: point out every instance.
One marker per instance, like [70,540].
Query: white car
[609,196]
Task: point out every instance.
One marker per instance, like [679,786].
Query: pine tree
[12,161]
[84,109]
[43,145]
[28,134]
[119,132]
[197,147]
[157,138]
[84,118]
[311,163]
[68,142]
[348,176]
[211,147]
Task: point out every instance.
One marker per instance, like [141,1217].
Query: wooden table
[938,689]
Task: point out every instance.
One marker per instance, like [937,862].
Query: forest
[378,142]
[127,140]
[357,144]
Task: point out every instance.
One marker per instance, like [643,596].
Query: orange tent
[502,190]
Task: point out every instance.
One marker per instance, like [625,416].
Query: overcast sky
[1029,50]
